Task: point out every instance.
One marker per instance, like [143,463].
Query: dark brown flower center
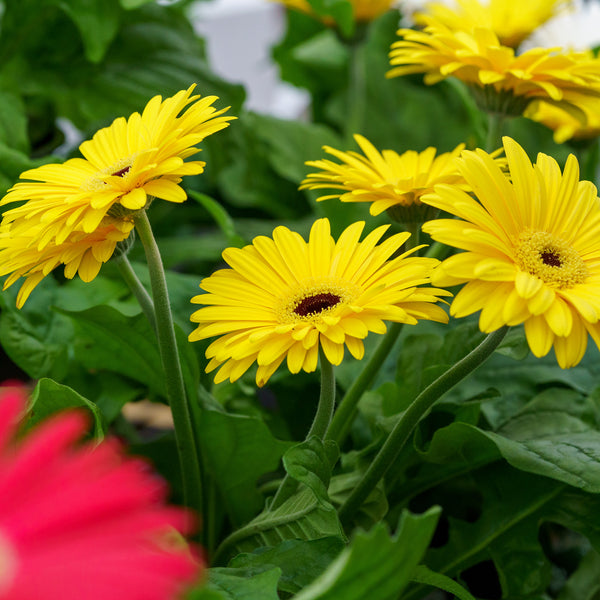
[550,258]
[316,304]
[121,172]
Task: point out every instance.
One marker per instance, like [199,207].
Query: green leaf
[222,219]
[236,584]
[373,509]
[98,22]
[13,122]
[290,144]
[50,397]
[511,506]
[555,435]
[300,561]
[306,515]
[426,576]
[311,462]
[375,564]
[238,450]
[111,341]
[34,338]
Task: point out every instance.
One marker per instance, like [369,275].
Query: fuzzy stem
[346,410]
[184,432]
[412,415]
[319,425]
[136,287]
[356,92]
[493,140]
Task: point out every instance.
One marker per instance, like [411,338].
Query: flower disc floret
[282,298]
[531,246]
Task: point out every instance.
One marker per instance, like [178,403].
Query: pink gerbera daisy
[83,521]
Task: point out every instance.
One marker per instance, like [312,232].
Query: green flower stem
[319,425]
[184,432]
[413,414]
[494,133]
[136,287]
[347,408]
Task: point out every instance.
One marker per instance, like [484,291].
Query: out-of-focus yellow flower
[387,180]
[500,80]
[531,246]
[283,298]
[511,20]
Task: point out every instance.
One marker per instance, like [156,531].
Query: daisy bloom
[283,298]
[74,213]
[511,20]
[532,249]
[83,521]
[388,180]
[500,80]
[363,10]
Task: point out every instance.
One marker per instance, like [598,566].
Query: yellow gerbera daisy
[532,249]
[363,10]
[282,298]
[500,80]
[511,20]
[125,165]
[388,180]
[81,253]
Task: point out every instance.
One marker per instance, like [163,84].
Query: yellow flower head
[363,10]
[511,20]
[501,81]
[283,298]
[126,164]
[385,179]
[532,249]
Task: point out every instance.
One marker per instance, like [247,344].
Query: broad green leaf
[34,338]
[238,450]
[13,123]
[50,397]
[237,584]
[290,144]
[307,514]
[98,22]
[13,162]
[300,561]
[512,506]
[422,574]
[375,564]
[555,435]
[221,217]
[111,341]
